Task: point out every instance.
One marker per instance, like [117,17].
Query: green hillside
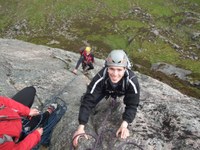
[159,31]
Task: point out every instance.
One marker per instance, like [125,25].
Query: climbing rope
[27,121]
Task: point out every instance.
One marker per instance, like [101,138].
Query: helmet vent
[117,58]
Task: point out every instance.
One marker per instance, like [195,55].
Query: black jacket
[101,86]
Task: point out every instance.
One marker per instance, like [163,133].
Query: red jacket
[13,110]
[88,58]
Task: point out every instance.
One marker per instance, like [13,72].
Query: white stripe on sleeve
[95,84]
[134,87]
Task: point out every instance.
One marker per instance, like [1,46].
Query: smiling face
[116,73]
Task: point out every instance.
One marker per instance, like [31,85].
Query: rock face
[166,119]
[171,70]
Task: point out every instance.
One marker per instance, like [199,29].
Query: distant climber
[86,58]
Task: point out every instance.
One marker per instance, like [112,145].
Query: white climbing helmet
[117,58]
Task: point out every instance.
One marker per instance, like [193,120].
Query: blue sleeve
[79,61]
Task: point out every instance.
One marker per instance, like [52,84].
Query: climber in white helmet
[115,80]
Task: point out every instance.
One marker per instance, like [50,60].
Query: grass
[115,42]
[132,24]
[116,7]
[7,10]
[159,52]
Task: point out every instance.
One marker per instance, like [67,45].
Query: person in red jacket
[86,58]
[11,113]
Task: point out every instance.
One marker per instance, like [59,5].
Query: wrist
[29,114]
[124,124]
[81,127]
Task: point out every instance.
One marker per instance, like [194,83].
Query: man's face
[116,73]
